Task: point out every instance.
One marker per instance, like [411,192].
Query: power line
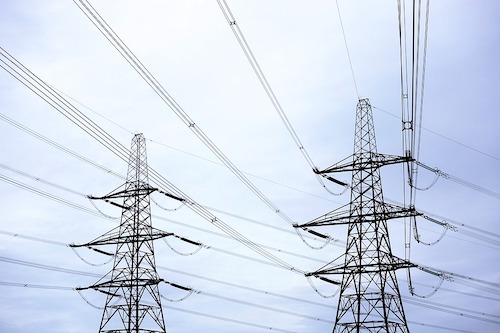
[240,322]
[78,156]
[429,270]
[347,50]
[473,234]
[36,286]
[68,203]
[427,304]
[273,263]
[58,243]
[44,139]
[444,137]
[449,307]
[440,327]
[57,145]
[430,305]
[22,74]
[137,65]
[64,149]
[107,170]
[198,292]
[226,11]
[460,181]
[263,307]
[231,320]
[120,46]
[48,195]
[49,287]
[465,280]
[47,267]
[457,313]
[470,234]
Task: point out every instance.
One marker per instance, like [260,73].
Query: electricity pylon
[369,299]
[131,288]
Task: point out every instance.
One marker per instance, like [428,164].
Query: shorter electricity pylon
[131,287]
[369,299]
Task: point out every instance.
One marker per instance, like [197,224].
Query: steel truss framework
[369,299]
[131,287]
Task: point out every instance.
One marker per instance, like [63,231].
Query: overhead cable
[347,50]
[72,204]
[53,98]
[269,91]
[444,137]
[265,292]
[436,306]
[459,181]
[50,287]
[144,73]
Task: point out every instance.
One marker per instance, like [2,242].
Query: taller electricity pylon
[369,299]
[131,287]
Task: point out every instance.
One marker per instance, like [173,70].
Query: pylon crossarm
[132,192]
[362,160]
[97,289]
[178,286]
[336,181]
[100,251]
[344,216]
[340,212]
[97,241]
[123,283]
[171,196]
[187,240]
[114,237]
[345,161]
[128,192]
[318,234]
[322,278]
[440,274]
[109,201]
[367,268]
[441,223]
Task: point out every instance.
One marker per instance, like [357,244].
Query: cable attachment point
[309,280]
[336,181]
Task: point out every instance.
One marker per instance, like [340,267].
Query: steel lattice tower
[131,288]
[369,299]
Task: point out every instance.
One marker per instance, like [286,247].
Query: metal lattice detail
[131,288]
[369,299]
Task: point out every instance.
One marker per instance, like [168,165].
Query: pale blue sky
[191,50]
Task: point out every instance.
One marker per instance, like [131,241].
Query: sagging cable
[178,286]
[446,226]
[324,236]
[200,246]
[79,290]
[177,300]
[459,181]
[309,280]
[73,248]
[434,181]
[102,213]
[411,289]
[169,209]
[336,181]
